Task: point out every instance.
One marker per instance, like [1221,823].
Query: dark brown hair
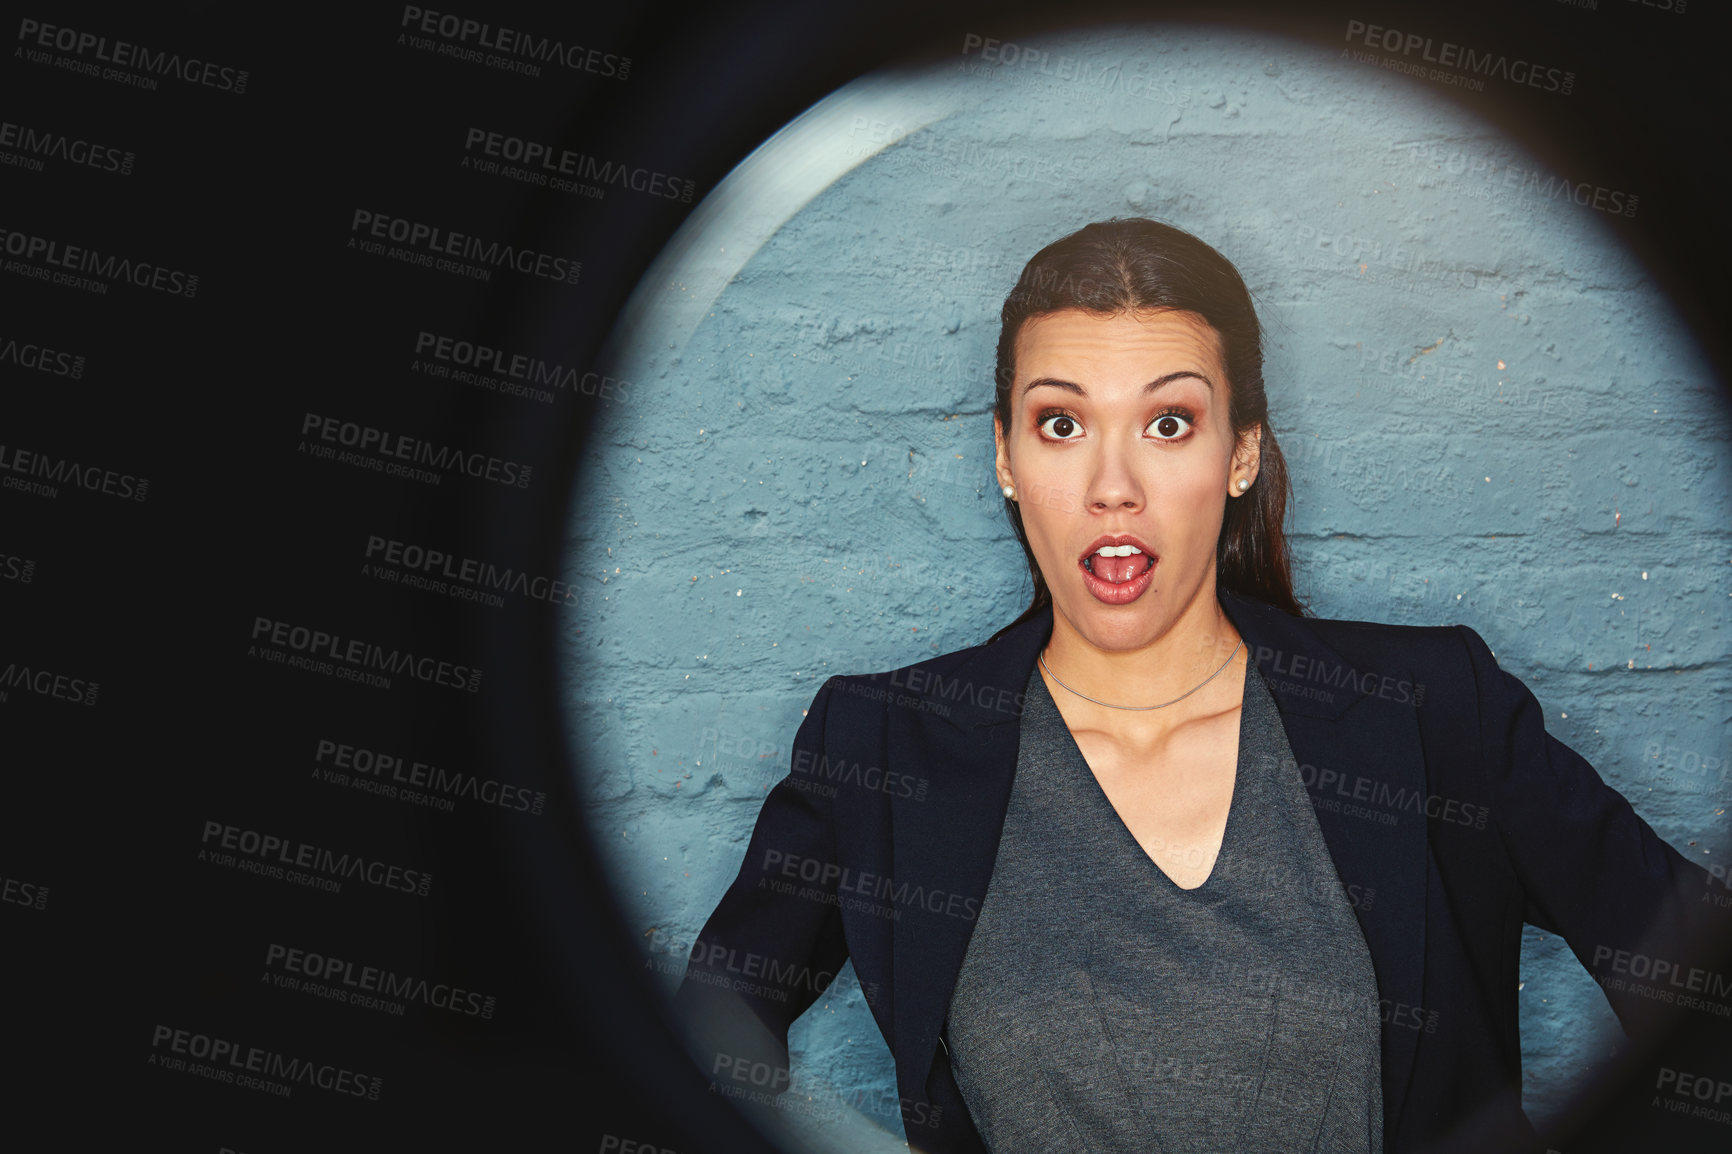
[1122,265]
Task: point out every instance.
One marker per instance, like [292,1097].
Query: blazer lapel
[1355,745]
[948,840]
[962,731]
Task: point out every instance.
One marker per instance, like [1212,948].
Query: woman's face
[1119,430]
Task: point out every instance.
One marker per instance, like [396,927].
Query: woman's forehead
[1073,340]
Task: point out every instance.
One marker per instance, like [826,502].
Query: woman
[1166,865]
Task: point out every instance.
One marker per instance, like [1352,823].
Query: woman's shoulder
[1357,631]
[936,665]
[956,685]
[1446,665]
[1351,650]
[1444,636]
[1354,637]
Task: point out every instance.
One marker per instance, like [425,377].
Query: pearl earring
[1009,491]
[1243,484]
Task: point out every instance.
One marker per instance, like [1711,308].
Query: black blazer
[1450,814]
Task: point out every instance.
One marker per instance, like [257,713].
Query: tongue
[1118,570]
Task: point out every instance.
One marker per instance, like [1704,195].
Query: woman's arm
[774,942]
[1593,870]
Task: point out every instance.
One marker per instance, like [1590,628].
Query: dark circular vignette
[796,57]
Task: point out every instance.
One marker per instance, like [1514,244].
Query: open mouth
[1118,570]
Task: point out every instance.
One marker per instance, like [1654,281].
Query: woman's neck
[1188,657]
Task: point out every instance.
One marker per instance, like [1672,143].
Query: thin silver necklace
[1163,704]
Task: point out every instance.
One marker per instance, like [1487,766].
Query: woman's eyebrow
[1158,382]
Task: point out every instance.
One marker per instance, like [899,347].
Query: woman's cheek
[1202,497]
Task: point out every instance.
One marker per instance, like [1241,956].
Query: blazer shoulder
[937,665]
[950,685]
[1427,643]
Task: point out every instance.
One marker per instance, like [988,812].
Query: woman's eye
[1060,427]
[1169,426]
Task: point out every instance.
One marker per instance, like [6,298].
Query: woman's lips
[1118,580]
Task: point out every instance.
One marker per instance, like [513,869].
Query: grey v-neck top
[1102,1008]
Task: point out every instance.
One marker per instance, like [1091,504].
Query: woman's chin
[1117,627]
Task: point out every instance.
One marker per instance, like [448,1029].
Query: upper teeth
[1117,550]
